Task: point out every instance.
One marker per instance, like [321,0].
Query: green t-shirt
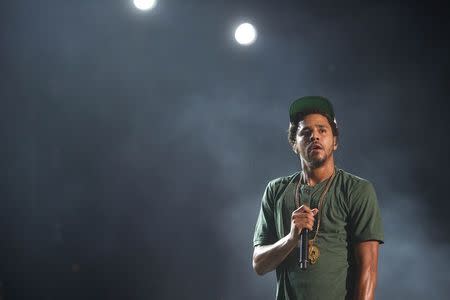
[350,214]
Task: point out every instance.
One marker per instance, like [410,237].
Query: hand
[302,217]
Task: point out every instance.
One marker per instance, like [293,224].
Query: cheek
[300,141]
[302,148]
[296,147]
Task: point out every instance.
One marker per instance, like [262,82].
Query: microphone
[303,245]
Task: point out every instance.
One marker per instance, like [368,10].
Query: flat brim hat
[311,104]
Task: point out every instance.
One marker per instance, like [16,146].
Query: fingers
[302,222]
[303,217]
[303,208]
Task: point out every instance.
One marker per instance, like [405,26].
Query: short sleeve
[365,217]
[265,233]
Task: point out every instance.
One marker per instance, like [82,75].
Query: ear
[294,149]
[335,144]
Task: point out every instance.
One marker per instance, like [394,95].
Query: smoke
[136,148]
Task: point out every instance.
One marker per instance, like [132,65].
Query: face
[314,141]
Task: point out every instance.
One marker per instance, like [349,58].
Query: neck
[314,176]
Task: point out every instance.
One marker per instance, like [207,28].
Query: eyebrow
[306,128]
[318,125]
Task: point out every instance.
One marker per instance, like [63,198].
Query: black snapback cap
[310,104]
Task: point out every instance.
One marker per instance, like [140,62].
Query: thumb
[314,211]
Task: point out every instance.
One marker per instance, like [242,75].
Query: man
[339,209]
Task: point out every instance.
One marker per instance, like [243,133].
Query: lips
[315,146]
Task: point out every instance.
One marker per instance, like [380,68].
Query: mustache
[314,145]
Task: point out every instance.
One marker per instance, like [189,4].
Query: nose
[314,135]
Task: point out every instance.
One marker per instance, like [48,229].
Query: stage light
[245,34]
[144,4]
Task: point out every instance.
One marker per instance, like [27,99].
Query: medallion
[313,252]
[313,248]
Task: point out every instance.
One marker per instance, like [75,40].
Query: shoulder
[282,181]
[355,186]
[278,185]
[352,182]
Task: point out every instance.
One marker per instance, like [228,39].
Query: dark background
[135,146]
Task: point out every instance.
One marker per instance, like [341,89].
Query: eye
[322,130]
[304,133]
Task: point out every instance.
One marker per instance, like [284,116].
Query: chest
[332,215]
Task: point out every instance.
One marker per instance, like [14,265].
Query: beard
[316,161]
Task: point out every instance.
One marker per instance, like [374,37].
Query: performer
[339,209]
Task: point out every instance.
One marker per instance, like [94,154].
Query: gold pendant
[313,252]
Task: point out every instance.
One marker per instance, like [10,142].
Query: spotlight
[144,4]
[245,34]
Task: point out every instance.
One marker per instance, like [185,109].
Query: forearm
[266,258]
[367,269]
[365,284]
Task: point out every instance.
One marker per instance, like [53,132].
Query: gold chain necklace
[313,248]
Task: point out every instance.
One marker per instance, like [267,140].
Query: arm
[267,257]
[366,254]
